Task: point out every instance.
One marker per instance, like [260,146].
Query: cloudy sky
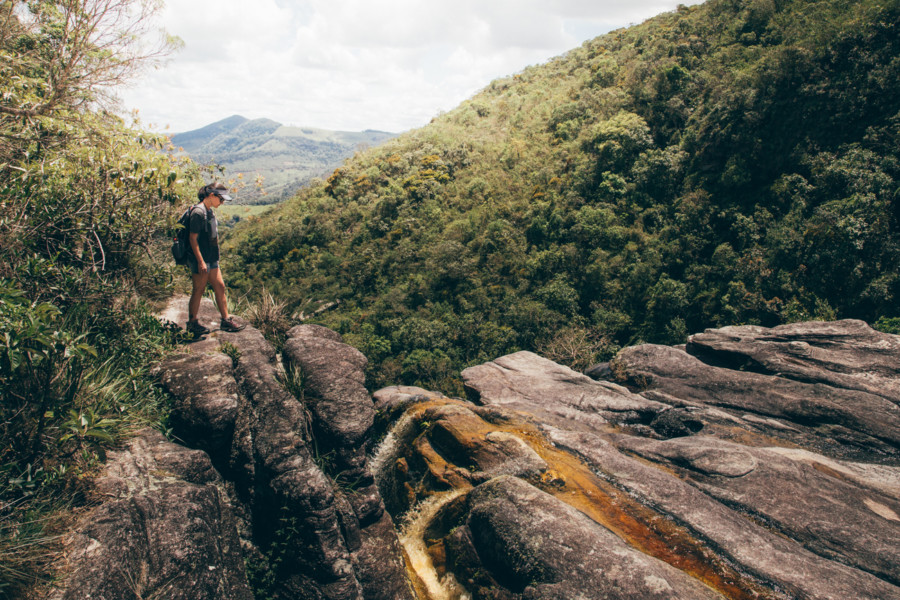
[356,64]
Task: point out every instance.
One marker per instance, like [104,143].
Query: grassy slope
[729,163]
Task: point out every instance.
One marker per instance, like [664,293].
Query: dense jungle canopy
[729,163]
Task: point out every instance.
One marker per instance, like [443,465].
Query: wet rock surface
[749,463]
[780,566]
[541,547]
[835,521]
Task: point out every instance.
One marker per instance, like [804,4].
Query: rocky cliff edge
[749,463]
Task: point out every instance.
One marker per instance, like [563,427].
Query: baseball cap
[214,188]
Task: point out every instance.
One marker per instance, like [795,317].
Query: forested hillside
[734,162]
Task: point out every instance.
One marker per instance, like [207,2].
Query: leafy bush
[85,204]
[41,370]
[888,325]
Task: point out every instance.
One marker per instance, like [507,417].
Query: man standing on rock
[203,258]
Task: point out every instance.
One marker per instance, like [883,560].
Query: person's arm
[195,247]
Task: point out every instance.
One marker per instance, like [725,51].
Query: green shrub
[888,325]
[41,369]
[85,204]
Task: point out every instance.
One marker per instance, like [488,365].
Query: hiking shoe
[230,324]
[196,328]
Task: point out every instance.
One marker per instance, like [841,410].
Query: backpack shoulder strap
[186,216]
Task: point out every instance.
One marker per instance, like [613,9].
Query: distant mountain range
[286,157]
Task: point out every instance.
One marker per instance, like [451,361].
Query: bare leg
[218,286]
[199,280]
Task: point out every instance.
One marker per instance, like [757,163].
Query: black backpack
[181,248]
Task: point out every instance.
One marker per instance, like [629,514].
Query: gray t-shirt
[205,225]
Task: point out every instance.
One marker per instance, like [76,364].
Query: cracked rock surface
[256,488]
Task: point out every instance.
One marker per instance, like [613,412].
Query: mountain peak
[190,141]
[285,156]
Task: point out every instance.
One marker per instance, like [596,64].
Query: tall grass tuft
[270,316]
[29,545]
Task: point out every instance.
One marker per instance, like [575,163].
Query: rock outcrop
[308,519]
[312,514]
[836,420]
[333,383]
[750,463]
[165,530]
[546,548]
[525,382]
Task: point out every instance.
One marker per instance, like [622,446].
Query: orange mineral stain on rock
[453,443]
[644,528]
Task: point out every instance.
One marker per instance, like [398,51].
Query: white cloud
[356,64]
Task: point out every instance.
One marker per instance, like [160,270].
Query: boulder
[206,399]
[772,559]
[287,483]
[846,521]
[554,393]
[397,398]
[311,511]
[164,529]
[342,415]
[381,568]
[839,421]
[843,354]
[333,376]
[540,547]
